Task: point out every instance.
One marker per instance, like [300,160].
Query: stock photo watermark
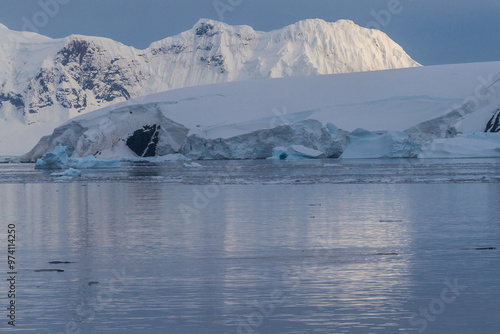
[483,93]
[90,306]
[202,197]
[48,9]
[11,274]
[224,6]
[383,18]
[294,276]
[421,320]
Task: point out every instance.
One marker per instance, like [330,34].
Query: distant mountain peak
[45,80]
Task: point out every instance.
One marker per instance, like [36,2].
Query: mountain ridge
[44,82]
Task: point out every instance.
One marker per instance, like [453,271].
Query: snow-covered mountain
[44,82]
[435,111]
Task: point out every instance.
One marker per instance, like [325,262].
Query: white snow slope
[44,82]
[393,113]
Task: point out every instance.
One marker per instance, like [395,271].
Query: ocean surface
[317,246]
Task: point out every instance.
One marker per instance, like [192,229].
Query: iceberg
[58,159]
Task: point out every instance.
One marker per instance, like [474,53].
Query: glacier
[416,112]
[472,145]
[45,82]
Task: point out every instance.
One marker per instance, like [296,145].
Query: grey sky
[431,31]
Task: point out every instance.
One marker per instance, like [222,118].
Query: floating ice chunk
[473,145]
[57,159]
[363,144]
[192,165]
[68,173]
[295,152]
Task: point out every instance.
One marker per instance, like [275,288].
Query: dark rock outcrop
[494,123]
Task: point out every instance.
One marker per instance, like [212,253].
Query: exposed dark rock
[205,29]
[175,49]
[215,61]
[15,99]
[143,142]
[75,51]
[494,123]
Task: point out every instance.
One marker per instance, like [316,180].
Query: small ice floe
[192,165]
[68,173]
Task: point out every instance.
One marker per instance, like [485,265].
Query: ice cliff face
[42,79]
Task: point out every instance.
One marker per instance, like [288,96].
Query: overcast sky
[431,31]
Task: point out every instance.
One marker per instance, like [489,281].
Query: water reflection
[272,259]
